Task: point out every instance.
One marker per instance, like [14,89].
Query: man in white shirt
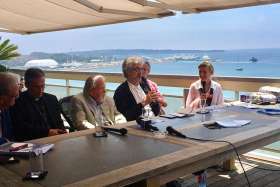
[132,96]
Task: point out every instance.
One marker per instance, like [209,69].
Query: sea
[242,63]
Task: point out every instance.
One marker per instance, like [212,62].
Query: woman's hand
[203,96]
[195,104]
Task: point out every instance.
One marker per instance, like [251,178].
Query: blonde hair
[208,65]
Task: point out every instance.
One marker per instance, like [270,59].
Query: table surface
[79,159]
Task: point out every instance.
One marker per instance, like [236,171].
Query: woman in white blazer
[205,88]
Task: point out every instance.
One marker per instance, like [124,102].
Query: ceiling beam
[159,4]
[101,9]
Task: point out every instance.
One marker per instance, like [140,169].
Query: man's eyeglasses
[137,69]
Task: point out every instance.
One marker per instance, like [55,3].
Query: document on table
[44,148]
[23,149]
[233,123]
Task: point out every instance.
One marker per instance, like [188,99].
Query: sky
[243,28]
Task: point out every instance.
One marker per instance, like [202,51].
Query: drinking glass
[203,105]
[100,121]
[36,162]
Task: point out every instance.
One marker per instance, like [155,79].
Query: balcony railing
[234,84]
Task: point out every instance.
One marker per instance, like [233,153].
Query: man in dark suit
[36,114]
[9,90]
[133,95]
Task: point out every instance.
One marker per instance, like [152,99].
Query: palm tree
[7,52]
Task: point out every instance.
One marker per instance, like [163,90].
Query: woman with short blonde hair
[205,88]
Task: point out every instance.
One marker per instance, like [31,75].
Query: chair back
[66,108]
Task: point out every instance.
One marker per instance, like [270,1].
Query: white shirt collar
[137,92]
[199,85]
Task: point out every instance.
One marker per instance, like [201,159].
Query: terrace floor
[257,177]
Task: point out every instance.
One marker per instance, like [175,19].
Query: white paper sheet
[233,123]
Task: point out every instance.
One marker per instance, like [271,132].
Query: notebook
[23,149]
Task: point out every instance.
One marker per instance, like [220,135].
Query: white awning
[192,6]
[34,16]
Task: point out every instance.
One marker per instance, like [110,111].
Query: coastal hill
[88,56]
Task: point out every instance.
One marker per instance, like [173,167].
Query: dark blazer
[126,104]
[6,122]
[29,123]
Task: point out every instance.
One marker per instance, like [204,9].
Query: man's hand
[150,97]
[147,100]
[53,132]
[153,95]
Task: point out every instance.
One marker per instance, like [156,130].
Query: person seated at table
[9,90]
[205,88]
[131,97]
[152,85]
[92,107]
[36,114]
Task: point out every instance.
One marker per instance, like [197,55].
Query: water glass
[100,121]
[203,105]
[36,161]
[146,112]
[143,115]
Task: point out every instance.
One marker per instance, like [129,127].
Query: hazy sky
[254,27]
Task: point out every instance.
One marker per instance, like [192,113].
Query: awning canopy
[34,16]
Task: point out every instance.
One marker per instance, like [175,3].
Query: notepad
[44,148]
[5,149]
[233,123]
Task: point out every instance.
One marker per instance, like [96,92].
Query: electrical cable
[175,132]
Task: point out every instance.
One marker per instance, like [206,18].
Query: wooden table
[79,159]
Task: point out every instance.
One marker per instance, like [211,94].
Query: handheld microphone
[150,127]
[174,132]
[146,124]
[203,83]
[121,131]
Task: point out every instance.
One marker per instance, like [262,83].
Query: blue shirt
[6,125]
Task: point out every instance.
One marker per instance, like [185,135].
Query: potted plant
[8,51]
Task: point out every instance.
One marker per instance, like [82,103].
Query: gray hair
[148,64]
[129,62]
[91,83]
[7,81]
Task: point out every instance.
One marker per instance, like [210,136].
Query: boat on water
[239,69]
[253,59]
[206,57]
[182,58]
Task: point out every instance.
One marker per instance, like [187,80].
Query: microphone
[203,83]
[121,131]
[174,132]
[150,127]
[146,124]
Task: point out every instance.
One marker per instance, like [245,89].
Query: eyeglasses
[137,69]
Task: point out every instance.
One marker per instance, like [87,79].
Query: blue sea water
[226,63]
